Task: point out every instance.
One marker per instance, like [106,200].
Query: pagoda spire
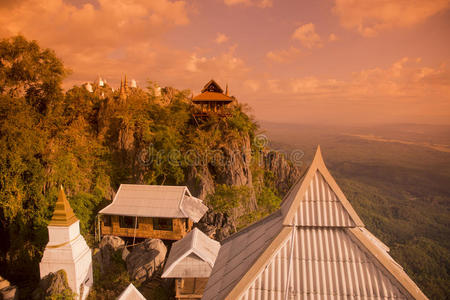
[226,90]
[123,89]
[63,214]
[125,84]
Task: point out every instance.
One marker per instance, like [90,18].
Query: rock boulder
[216,225]
[145,259]
[7,291]
[108,246]
[53,284]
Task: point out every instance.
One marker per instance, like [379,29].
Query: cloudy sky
[299,61]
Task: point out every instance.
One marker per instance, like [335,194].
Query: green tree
[28,71]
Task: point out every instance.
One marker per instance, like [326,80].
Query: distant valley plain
[397,177]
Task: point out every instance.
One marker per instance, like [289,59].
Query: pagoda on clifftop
[212,100]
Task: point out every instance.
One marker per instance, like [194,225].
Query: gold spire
[125,85]
[226,91]
[63,214]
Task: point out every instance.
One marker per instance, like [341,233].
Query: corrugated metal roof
[238,253]
[332,257]
[321,207]
[155,201]
[326,264]
[193,207]
[192,256]
[131,293]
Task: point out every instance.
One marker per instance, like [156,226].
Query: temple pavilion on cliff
[212,99]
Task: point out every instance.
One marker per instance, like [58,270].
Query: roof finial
[226,90]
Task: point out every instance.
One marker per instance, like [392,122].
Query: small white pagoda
[66,249]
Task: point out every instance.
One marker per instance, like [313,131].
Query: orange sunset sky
[328,61]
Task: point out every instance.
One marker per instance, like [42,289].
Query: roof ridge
[318,165]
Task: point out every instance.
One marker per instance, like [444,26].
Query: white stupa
[158,92]
[66,249]
[133,83]
[88,87]
[100,81]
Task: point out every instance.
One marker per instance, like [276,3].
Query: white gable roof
[192,257]
[314,247]
[155,201]
[131,293]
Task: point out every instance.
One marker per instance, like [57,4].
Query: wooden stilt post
[135,225]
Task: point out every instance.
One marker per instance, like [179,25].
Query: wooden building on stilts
[212,100]
[151,211]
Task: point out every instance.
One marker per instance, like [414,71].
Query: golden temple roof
[213,92]
[63,214]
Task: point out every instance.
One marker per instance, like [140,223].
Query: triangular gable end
[323,196]
[212,86]
[193,262]
[350,271]
[131,293]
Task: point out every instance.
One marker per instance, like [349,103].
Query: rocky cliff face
[229,164]
[284,171]
[237,169]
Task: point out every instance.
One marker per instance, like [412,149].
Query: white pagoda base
[68,250]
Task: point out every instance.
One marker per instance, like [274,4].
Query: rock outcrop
[7,291]
[229,164]
[199,181]
[53,284]
[217,226]
[108,246]
[145,259]
[284,171]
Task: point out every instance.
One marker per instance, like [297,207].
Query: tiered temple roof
[213,92]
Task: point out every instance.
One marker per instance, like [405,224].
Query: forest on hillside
[92,141]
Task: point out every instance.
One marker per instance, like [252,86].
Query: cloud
[369,17]
[404,81]
[265,3]
[258,3]
[252,85]
[332,37]
[111,23]
[110,38]
[224,65]
[405,91]
[221,38]
[283,56]
[235,2]
[307,35]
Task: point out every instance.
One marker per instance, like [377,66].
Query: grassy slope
[401,192]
